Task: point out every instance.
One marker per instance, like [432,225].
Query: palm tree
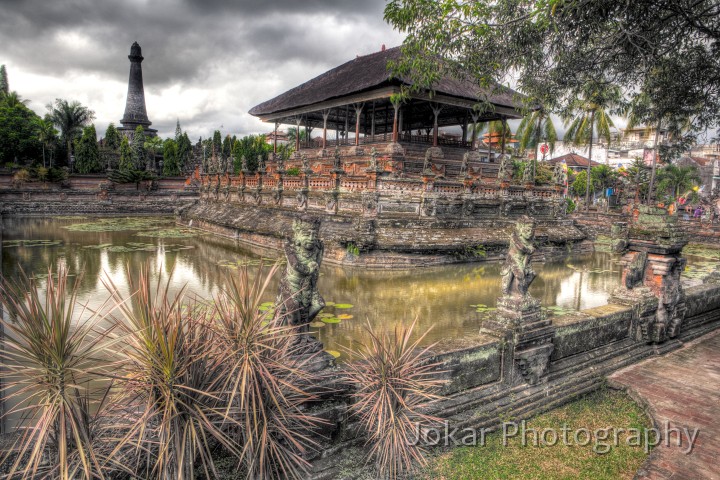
[70,118]
[46,134]
[677,180]
[152,145]
[13,99]
[591,116]
[535,127]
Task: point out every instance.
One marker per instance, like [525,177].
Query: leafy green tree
[552,50]
[47,136]
[250,147]
[87,153]
[112,137]
[676,180]
[216,142]
[184,151]
[170,158]
[70,118]
[19,132]
[4,85]
[126,156]
[591,116]
[139,154]
[227,146]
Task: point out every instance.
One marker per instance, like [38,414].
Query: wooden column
[436,112]
[503,120]
[395,123]
[275,138]
[347,125]
[325,114]
[387,120]
[358,111]
[475,117]
[464,130]
[297,134]
[372,122]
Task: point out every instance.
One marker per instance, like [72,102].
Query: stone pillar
[652,265]
[519,320]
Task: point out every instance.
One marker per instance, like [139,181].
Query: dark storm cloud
[184,43]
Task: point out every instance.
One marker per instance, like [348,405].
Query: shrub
[391,378]
[51,362]
[267,382]
[293,172]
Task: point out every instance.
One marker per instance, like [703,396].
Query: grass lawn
[600,410]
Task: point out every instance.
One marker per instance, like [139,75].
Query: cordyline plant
[53,368]
[267,383]
[172,387]
[392,377]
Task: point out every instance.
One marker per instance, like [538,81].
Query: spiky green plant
[392,377]
[52,364]
[173,379]
[267,382]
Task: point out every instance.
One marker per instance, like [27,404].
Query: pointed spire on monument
[135,112]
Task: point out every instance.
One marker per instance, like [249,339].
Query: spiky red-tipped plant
[392,377]
[52,364]
[267,383]
[174,374]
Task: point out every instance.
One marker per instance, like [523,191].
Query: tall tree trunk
[502,139]
[651,188]
[537,145]
[587,184]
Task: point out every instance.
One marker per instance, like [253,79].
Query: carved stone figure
[559,174]
[244,164]
[427,164]
[305,162]
[505,170]
[337,161]
[302,199]
[261,164]
[299,300]
[517,274]
[528,173]
[373,159]
[464,165]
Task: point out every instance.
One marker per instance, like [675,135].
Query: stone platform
[682,388]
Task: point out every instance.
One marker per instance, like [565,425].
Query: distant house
[282,137]
[575,162]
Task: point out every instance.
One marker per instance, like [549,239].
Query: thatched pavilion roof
[367,77]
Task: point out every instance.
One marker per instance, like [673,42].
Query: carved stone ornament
[533,362]
[517,274]
[299,300]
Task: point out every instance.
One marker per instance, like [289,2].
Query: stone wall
[94,194]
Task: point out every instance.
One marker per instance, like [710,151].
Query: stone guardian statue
[517,274]
[299,300]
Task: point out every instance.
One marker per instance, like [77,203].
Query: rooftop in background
[574,161]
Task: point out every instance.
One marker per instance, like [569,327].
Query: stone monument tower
[135,112]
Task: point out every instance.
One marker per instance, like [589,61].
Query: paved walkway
[682,390]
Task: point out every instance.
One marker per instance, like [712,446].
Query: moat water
[447,297]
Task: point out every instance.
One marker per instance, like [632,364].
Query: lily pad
[329,304]
[175,232]
[316,324]
[343,305]
[334,353]
[31,243]
[330,320]
[344,316]
[120,224]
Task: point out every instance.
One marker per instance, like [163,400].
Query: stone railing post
[652,265]
[519,319]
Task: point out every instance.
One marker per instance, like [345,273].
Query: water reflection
[437,296]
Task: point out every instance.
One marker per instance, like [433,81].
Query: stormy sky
[206,62]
